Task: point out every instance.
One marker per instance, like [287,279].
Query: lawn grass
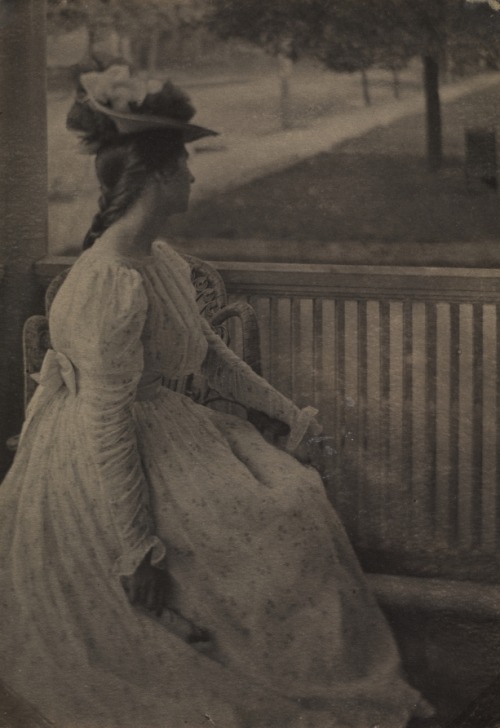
[372,190]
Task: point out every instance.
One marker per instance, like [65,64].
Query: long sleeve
[107,353]
[234,379]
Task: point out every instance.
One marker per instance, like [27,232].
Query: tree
[137,20]
[388,33]
[394,53]
[275,25]
[345,36]
[391,31]
[67,15]
[355,38]
[283,28]
[438,28]
[345,52]
[145,21]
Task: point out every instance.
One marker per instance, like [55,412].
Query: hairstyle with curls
[123,167]
[124,162]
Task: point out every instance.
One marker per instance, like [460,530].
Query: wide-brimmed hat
[136,104]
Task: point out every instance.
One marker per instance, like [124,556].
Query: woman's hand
[318,450]
[306,449]
[148,587]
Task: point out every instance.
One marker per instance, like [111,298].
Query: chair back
[208,284]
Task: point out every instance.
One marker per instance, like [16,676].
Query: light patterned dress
[111,466]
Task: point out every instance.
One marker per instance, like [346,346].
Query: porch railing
[403,364]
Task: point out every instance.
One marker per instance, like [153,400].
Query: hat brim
[135,123]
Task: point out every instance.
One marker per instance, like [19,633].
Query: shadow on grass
[351,196]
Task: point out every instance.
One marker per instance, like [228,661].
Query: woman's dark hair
[123,166]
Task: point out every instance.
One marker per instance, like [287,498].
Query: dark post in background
[23,199]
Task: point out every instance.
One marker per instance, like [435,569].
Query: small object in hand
[183,627]
[199,634]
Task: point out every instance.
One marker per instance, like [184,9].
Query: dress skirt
[257,556]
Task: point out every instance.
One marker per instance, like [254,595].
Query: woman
[129,504]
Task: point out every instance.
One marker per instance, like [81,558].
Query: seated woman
[161,564]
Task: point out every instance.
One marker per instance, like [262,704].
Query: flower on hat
[123,93]
[115,88]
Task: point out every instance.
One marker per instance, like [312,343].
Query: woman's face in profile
[176,186]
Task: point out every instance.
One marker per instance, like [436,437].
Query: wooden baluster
[273,348]
[465,494]
[261,307]
[362,425]
[282,347]
[488,526]
[407,436]
[454,421]
[373,453]
[442,497]
[295,345]
[431,416]
[350,442]
[340,404]
[498,422]
[396,493]
[477,423]
[317,351]
[419,513]
[385,415]
[306,351]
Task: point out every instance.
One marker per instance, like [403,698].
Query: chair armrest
[53,288]
[36,341]
[249,328]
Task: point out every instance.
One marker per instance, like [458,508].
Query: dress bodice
[107,296]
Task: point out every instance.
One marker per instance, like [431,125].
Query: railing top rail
[356,269]
[341,281]
[362,282]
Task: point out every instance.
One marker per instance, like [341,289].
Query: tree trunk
[433,113]
[366,87]
[395,83]
[285,68]
[154,41]
[125,48]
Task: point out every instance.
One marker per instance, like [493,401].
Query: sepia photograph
[250,364]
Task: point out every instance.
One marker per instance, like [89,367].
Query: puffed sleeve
[108,314]
[235,380]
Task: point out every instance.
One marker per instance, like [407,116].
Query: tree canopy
[120,14]
[353,36]
[277,26]
[141,22]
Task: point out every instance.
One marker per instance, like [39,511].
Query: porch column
[23,193]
